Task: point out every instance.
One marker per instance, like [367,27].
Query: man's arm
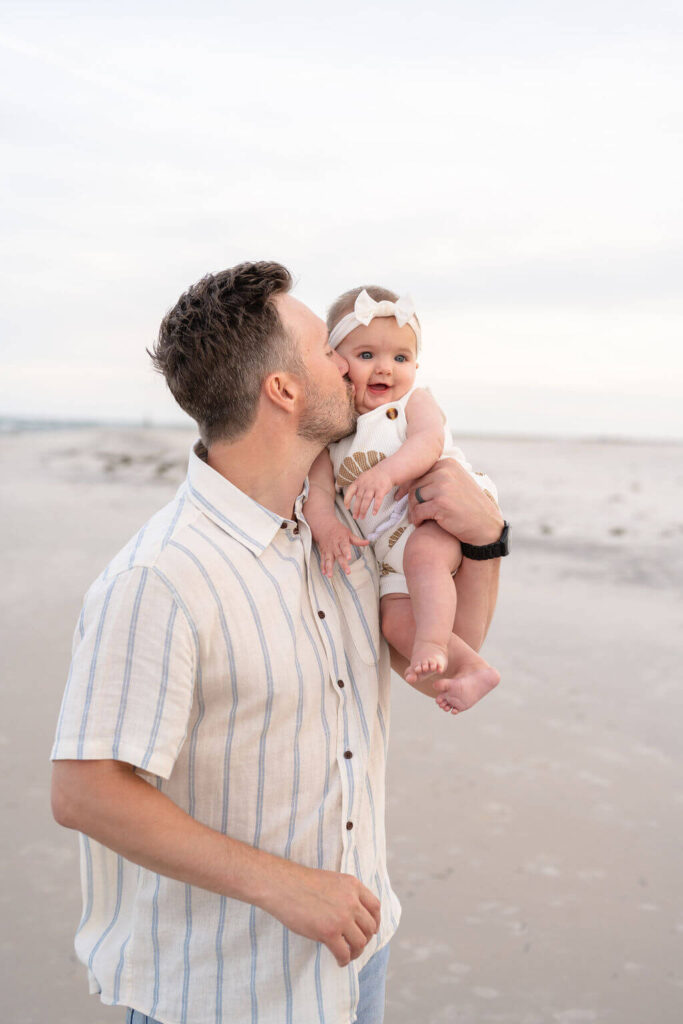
[453,499]
[109,802]
[478,582]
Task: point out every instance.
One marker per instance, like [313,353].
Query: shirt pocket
[358,596]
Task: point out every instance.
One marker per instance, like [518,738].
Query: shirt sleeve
[130,688]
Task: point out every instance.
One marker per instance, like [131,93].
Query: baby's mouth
[377,389]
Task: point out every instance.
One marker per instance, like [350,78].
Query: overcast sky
[516,167]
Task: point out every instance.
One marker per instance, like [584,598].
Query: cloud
[516,169]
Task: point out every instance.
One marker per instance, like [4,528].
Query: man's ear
[283,389]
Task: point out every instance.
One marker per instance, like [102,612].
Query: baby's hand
[335,540]
[370,489]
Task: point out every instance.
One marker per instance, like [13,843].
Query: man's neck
[271,469]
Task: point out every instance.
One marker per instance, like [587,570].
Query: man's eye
[366,355]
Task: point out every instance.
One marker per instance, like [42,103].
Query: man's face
[329,412]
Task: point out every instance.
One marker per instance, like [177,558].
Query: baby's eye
[366,355]
[400,359]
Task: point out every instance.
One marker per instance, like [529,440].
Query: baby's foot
[463,690]
[426,661]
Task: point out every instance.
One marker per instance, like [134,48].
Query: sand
[535,841]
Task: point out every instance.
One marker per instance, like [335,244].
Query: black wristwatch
[499,549]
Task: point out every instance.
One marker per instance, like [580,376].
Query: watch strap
[482,552]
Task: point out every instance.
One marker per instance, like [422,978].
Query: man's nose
[341,363]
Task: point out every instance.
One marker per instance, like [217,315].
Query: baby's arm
[421,449]
[332,537]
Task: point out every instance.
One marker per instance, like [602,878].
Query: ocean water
[479,411]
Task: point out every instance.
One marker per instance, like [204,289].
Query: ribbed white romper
[379,433]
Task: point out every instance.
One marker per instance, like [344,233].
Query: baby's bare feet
[463,690]
[426,660]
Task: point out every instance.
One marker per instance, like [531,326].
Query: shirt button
[283,525]
[340,682]
[295,530]
[349,826]
[321,614]
[347,754]
[392,413]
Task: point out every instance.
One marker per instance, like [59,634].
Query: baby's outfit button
[392,413]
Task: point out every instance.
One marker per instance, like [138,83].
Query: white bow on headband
[366,309]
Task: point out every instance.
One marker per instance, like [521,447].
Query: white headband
[366,309]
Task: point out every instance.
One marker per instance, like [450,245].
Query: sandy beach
[535,842]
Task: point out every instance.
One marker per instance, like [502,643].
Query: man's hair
[345,303]
[220,341]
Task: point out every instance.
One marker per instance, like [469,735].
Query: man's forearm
[123,812]
[459,506]
[477,587]
[108,801]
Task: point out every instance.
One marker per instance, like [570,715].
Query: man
[222,741]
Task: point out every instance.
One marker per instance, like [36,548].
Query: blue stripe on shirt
[234,528]
[295,782]
[186,953]
[161,699]
[117,909]
[191,779]
[172,524]
[129,663]
[93,670]
[155,940]
[136,545]
[227,750]
[87,910]
[262,740]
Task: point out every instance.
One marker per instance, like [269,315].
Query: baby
[400,433]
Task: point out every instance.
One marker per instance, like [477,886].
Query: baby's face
[382,361]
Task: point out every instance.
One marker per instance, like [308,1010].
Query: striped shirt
[214,656]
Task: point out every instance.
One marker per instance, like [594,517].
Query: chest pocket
[358,596]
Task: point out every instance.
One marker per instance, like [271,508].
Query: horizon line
[18,424]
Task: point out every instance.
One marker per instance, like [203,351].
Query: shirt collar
[230,508]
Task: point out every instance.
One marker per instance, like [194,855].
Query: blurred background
[516,168]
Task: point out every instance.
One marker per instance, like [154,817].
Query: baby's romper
[379,433]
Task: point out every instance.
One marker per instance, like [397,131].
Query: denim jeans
[371,982]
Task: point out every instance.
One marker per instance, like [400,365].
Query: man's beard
[327,419]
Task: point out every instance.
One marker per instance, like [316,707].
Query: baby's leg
[429,561]
[467,677]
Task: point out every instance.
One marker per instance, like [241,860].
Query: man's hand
[370,489]
[453,500]
[325,906]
